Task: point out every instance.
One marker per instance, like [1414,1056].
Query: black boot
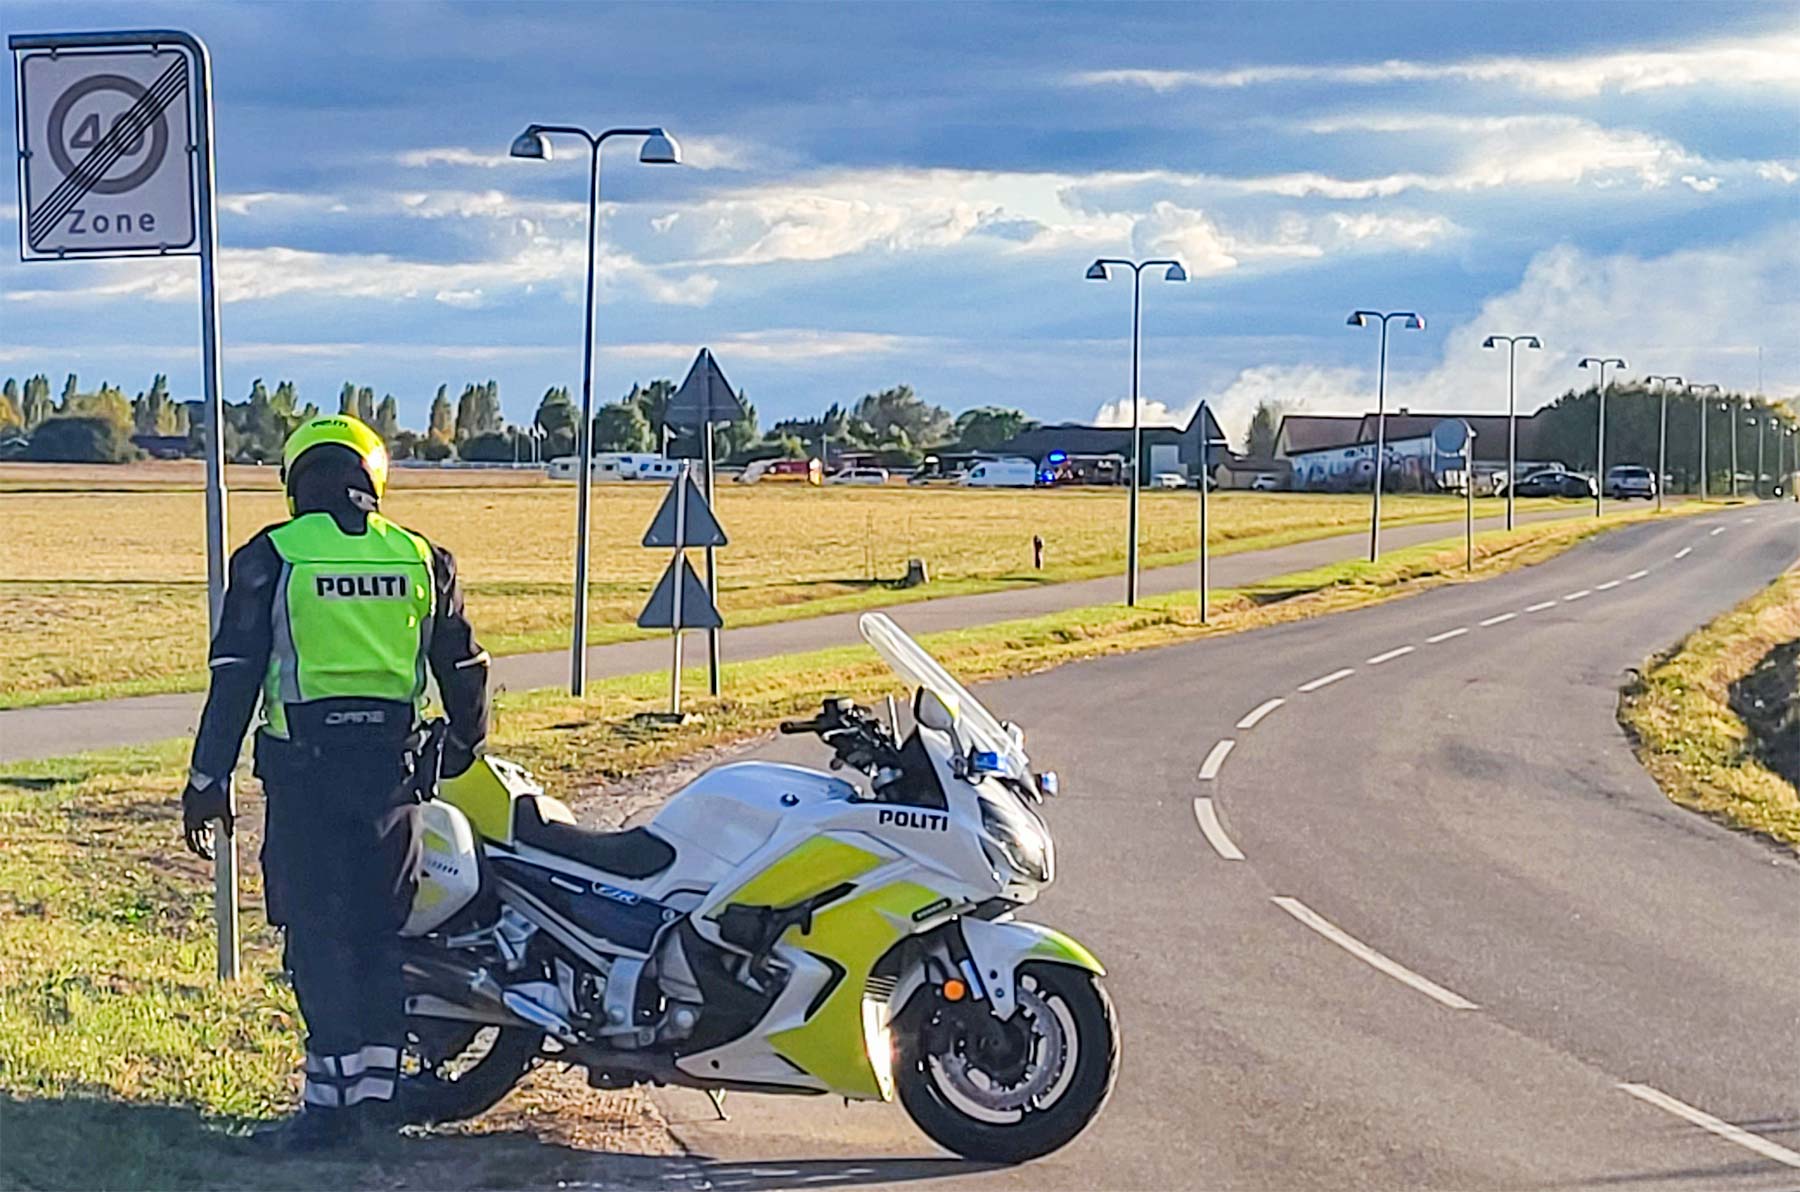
[312,1130]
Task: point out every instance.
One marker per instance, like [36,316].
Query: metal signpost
[1456,438]
[116,160]
[679,601]
[704,400]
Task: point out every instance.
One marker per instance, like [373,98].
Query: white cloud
[780,346]
[1150,413]
[452,155]
[1766,62]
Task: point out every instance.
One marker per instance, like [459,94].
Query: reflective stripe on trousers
[342,1080]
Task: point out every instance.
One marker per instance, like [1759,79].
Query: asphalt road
[1468,945]
[56,729]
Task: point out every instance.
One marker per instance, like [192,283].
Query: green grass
[102,594]
[1709,748]
[111,1024]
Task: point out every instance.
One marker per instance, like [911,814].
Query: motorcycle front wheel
[453,1070]
[1014,1090]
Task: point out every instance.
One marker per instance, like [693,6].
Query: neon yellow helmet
[344,431]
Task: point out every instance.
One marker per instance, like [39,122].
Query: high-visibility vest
[351,614]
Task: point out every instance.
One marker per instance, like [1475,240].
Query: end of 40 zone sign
[106,151]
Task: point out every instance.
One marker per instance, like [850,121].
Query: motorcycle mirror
[930,710]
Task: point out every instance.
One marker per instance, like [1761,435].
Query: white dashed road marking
[1370,956]
[1716,530]
[1684,552]
[1578,595]
[1497,620]
[1706,1121]
[1446,635]
[1608,586]
[1209,769]
[1322,680]
[1214,831]
[1637,575]
[1389,655]
[1540,606]
[1746,520]
[1257,713]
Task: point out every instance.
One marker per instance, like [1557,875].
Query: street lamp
[1731,409]
[1756,485]
[658,148]
[1600,424]
[1360,318]
[1705,408]
[1512,343]
[1662,431]
[1172,271]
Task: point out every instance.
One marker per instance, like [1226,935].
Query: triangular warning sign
[701,528]
[704,397]
[697,611]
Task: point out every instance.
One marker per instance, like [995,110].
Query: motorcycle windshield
[974,723]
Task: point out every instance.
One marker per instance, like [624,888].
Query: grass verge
[112,1027]
[1716,720]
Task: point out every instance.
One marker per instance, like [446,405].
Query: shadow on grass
[94,1143]
[1767,699]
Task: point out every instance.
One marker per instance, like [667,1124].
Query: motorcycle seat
[633,853]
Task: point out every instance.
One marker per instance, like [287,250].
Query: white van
[1000,473]
[610,467]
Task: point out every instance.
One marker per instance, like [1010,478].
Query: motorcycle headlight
[1020,838]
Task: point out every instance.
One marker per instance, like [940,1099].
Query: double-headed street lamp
[1662,431]
[1512,343]
[1360,318]
[1172,271]
[1600,424]
[1705,409]
[658,148]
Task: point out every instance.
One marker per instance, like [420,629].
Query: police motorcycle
[774,929]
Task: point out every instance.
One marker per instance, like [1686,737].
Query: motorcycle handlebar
[795,727]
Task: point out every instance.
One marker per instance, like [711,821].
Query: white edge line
[1608,586]
[1391,654]
[1637,575]
[1446,635]
[1257,713]
[1684,552]
[1498,619]
[1333,677]
[1214,831]
[1706,1121]
[1370,956]
[1209,769]
[1540,606]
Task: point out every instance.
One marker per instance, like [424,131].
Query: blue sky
[879,194]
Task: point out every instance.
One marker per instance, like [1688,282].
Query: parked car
[1555,482]
[1630,480]
[1168,480]
[1265,482]
[1001,473]
[860,476]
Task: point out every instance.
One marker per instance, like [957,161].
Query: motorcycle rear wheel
[455,1070]
[1073,1049]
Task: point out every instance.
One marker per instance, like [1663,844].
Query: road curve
[1424,925]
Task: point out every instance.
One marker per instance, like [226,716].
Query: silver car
[1630,480]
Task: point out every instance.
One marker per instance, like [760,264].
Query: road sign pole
[1469,499]
[1205,476]
[681,485]
[712,575]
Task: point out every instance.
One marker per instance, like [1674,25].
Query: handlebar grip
[792,727]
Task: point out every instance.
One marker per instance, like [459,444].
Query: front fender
[998,949]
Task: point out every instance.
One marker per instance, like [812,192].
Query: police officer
[333,618]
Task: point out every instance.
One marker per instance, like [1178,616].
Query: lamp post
[1600,427]
[1360,318]
[1705,409]
[1512,343]
[1172,271]
[658,149]
[1756,485]
[1662,431]
[1207,443]
[1731,415]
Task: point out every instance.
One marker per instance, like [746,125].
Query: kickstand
[717,1097]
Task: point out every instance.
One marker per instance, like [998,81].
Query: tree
[434,448]
[621,426]
[404,444]
[491,447]
[347,399]
[442,426]
[478,411]
[986,427]
[1265,424]
[81,438]
[107,402]
[10,417]
[69,390]
[36,404]
[653,400]
[153,413]
[900,409]
[387,419]
[365,406]
[557,418]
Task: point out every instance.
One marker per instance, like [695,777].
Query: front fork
[977,961]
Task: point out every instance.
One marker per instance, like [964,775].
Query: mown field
[102,591]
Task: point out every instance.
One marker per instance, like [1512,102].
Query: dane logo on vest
[362,587]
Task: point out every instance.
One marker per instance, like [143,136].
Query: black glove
[204,800]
